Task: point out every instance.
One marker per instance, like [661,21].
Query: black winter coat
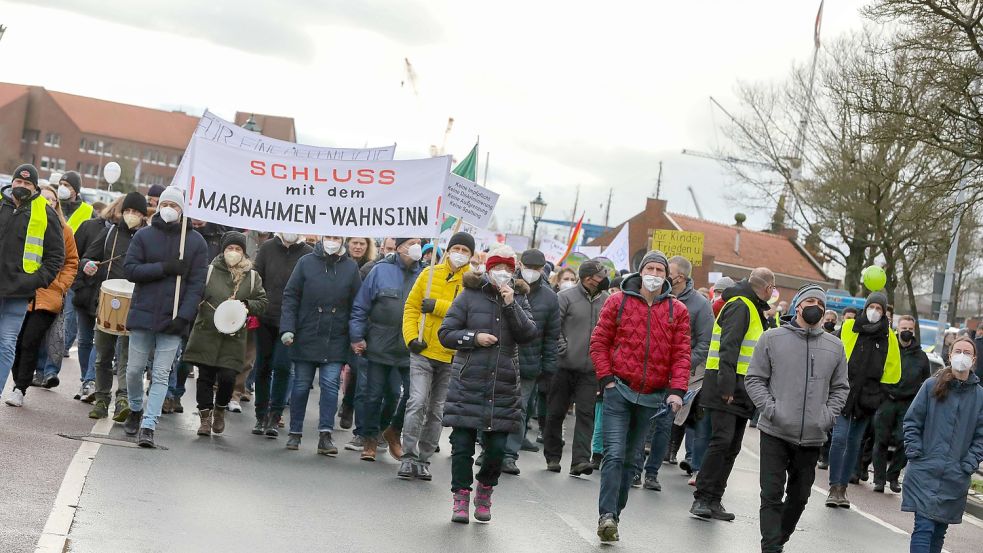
[14,282]
[153,295]
[733,321]
[539,355]
[866,367]
[108,244]
[915,369]
[484,389]
[275,263]
[317,304]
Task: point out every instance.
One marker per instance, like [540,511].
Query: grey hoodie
[578,317]
[798,378]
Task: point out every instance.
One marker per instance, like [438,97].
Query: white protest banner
[214,128]
[517,242]
[590,251]
[553,250]
[259,191]
[618,250]
[469,201]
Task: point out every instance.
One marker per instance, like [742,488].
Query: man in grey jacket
[798,378]
[700,332]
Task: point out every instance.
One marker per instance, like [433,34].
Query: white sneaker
[234,407]
[15,399]
[88,391]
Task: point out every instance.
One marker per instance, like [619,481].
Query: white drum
[230,316]
[114,306]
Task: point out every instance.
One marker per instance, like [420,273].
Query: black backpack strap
[624,298]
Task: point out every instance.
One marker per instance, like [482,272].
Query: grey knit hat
[878,298]
[806,292]
[654,256]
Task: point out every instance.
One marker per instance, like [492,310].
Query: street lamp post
[537,207]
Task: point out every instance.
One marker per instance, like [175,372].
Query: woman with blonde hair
[943,438]
[42,313]
[563,279]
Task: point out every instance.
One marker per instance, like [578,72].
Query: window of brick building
[30,135]
[46,163]
[52,140]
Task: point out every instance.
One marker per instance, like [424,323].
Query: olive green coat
[208,346]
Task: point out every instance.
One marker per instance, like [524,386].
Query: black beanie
[234,237]
[73,179]
[135,201]
[155,191]
[399,241]
[460,239]
[27,172]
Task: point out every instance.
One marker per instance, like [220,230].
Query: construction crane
[692,194]
[410,77]
[727,159]
[434,150]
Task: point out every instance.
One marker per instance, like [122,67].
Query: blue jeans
[844,451]
[329,379]
[12,312]
[659,436]
[597,442]
[87,338]
[179,374]
[625,425]
[360,365]
[928,535]
[164,348]
[697,440]
[383,381]
[71,322]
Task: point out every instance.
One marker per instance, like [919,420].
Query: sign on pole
[265,192]
[215,129]
[678,242]
[469,201]
[553,250]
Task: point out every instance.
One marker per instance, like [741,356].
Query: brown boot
[218,419]
[842,501]
[206,422]
[391,435]
[368,450]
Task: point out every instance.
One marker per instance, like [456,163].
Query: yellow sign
[678,242]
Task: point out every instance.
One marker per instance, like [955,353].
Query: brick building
[61,132]
[732,250]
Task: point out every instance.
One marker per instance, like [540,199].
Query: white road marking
[59,524]
[581,530]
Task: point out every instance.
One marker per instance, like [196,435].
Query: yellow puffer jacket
[446,287]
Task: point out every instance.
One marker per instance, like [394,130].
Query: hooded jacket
[112,242]
[153,296]
[275,262]
[734,319]
[579,312]
[798,378]
[446,285]
[866,364]
[14,281]
[52,298]
[208,346]
[377,314]
[646,347]
[944,446]
[539,355]
[317,303]
[484,391]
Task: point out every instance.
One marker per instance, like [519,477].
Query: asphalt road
[242,492]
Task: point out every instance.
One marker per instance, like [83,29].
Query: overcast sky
[561,93]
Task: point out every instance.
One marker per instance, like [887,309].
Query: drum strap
[252,282]
[112,254]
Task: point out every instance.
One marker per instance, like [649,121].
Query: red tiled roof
[11,92]
[170,129]
[758,249]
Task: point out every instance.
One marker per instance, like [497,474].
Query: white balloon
[111,172]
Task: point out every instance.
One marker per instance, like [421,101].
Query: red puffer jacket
[649,349]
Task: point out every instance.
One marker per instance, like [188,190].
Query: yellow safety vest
[34,240]
[754,331]
[81,215]
[892,364]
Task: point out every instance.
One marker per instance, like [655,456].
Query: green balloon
[874,278]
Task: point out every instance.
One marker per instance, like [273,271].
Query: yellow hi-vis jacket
[892,364]
[34,239]
[82,214]
[754,331]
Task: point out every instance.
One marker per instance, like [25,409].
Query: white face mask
[652,282]
[64,192]
[500,278]
[414,252]
[288,238]
[132,220]
[873,315]
[961,362]
[531,275]
[331,247]
[169,214]
[458,259]
[232,258]
[567,284]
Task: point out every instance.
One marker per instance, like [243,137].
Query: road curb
[974,507]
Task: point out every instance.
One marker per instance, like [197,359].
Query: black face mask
[830,326]
[603,285]
[907,335]
[20,193]
[812,314]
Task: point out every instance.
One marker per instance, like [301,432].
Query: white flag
[618,250]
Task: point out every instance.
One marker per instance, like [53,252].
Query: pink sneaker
[692,479]
[462,499]
[482,503]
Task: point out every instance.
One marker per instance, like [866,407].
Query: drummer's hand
[90,268]
[287,339]
[177,327]
[175,267]
[359,347]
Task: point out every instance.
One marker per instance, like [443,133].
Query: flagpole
[485,181]
[180,256]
